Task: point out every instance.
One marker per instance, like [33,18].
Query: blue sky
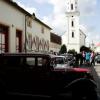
[52,12]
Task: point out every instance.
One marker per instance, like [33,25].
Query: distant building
[82,38]
[38,36]
[97,48]
[55,43]
[74,38]
[20,31]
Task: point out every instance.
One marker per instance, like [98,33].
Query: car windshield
[59,60]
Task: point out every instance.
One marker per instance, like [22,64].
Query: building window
[72,34]
[3,39]
[42,29]
[72,23]
[75,7]
[29,22]
[2,43]
[71,6]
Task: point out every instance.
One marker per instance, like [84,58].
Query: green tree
[84,48]
[63,49]
[72,51]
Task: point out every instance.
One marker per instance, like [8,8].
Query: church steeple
[73,39]
[73,24]
[72,5]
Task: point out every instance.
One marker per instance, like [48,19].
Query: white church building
[74,37]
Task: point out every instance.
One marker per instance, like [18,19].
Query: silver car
[60,62]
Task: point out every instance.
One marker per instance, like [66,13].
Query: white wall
[72,15]
[36,32]
[14,19]
[55,47]
[74,46]
[75,5]
[65,39]
[97,49]
[82,38]
[75,29]
[72,42]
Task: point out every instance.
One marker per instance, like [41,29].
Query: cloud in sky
[57,18]
[41,1]
[31,10]
[87,7]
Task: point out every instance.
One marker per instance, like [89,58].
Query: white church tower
[72,36]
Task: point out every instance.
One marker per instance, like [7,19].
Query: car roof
[25,54]
[53,56]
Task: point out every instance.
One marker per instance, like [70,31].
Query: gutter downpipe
[25,34]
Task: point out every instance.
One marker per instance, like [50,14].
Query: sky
[53,13]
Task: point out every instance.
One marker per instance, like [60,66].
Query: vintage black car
[32,75]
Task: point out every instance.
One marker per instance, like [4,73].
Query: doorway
[18,41]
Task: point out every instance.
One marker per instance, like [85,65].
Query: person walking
[92,58]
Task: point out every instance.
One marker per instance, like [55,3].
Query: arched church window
[71,6]
[72,34]
[72,23]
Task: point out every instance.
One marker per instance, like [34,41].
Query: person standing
[81,59]
[83,56]
[87,57]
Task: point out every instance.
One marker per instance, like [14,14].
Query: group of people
[89,57]
[86,58]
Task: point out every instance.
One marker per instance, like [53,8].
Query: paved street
[96,73]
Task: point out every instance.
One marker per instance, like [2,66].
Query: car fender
[81,83]
[2,87]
